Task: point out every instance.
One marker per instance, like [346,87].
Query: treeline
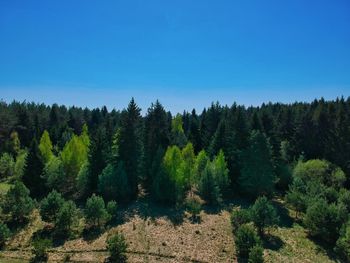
[79,154]
[280,133]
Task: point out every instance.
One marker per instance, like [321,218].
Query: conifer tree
[257,174]
[130,145]
[32,176]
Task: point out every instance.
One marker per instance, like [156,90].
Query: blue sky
[184,53]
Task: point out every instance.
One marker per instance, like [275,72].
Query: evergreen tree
[32,176]
[257,174]
[156,139]
[95,211]
[45,147]
[263,214]
[130,145]
[17,202]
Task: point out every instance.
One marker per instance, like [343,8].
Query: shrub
[240,217]
[256,255]
[245,239]
[95,211]
[4,233]
[116,245]
[17,202]
[39,250]
[342,247]
[324,220]
[263,214]
[50,206]
[112,209]
[66,218]
[193,206]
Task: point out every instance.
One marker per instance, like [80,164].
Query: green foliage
[95,211]
[55,175]
[15,144]
[240,217]
[321,171]
[17,202]
[296,196]
[257,174]
[113,183]
[39,250]
[193,206]
[73,156]
[263,214]
[45,147]
[67,217]
[112,209]
[208,186]
[130,146]
[245,239]
[117,246]
[324,220]
[220,171]
[213,179]
[7,165]
[20,164]
[342,247]
[256,255]
[156,139]
[83,180]
[170,177]
[189,158]
[178,136]
[50,206]
[4,233]
[201,162]
[32,177]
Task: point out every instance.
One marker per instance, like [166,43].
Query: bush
[324,220]
[263,214]
[112,209]
[116,245]
[240,217]
[7,165]
[17,202]
[245,239]
[50,206]
[193,206]
[113,182]
[4,233]
[208,186]
[342,247]
[256,255]
[95,211]
[39,250]
[66,218]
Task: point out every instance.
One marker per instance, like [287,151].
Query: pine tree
[130,145]
[156,139]
[32,176]
[257,174]
[45,147]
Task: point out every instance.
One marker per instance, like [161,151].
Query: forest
[74,165]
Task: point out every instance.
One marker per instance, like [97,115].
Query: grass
[158,234]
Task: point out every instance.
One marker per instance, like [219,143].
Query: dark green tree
[32,176]
[17,202]
[263,214]
[131,146]
[257,173]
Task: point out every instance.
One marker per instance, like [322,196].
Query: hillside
[158,234]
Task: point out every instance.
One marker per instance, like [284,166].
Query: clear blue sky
[184,53]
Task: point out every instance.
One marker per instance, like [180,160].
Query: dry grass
[156,234]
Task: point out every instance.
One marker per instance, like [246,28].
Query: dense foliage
[67,156]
